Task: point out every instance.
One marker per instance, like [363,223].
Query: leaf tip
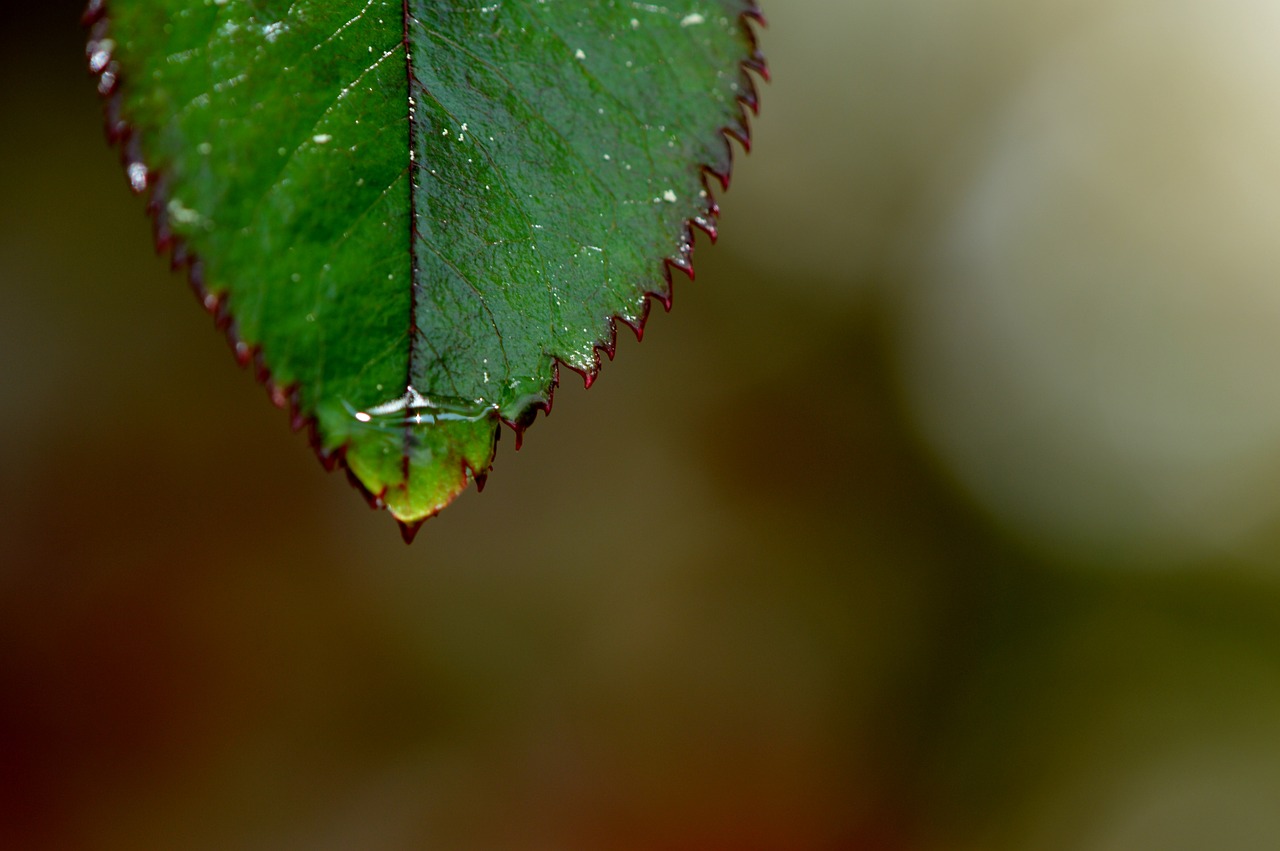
[409,531]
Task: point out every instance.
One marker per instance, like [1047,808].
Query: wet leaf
[409,213]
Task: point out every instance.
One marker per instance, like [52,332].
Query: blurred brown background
[941,513]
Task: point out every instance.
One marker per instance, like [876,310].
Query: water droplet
[100,54]
[137,176]
[184,215]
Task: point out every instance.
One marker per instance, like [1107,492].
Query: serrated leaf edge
[120,133]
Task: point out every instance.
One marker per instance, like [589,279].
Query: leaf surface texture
[411,212]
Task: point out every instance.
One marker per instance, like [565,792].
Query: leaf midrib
[407,46]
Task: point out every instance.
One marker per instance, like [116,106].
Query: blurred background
[943,512]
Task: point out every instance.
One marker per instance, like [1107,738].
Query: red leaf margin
[120,132]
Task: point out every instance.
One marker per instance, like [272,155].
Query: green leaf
[408,213]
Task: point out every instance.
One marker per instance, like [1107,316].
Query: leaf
[409,213]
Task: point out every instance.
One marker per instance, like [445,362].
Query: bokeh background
[943,512]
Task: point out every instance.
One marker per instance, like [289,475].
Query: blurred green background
[943,512]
